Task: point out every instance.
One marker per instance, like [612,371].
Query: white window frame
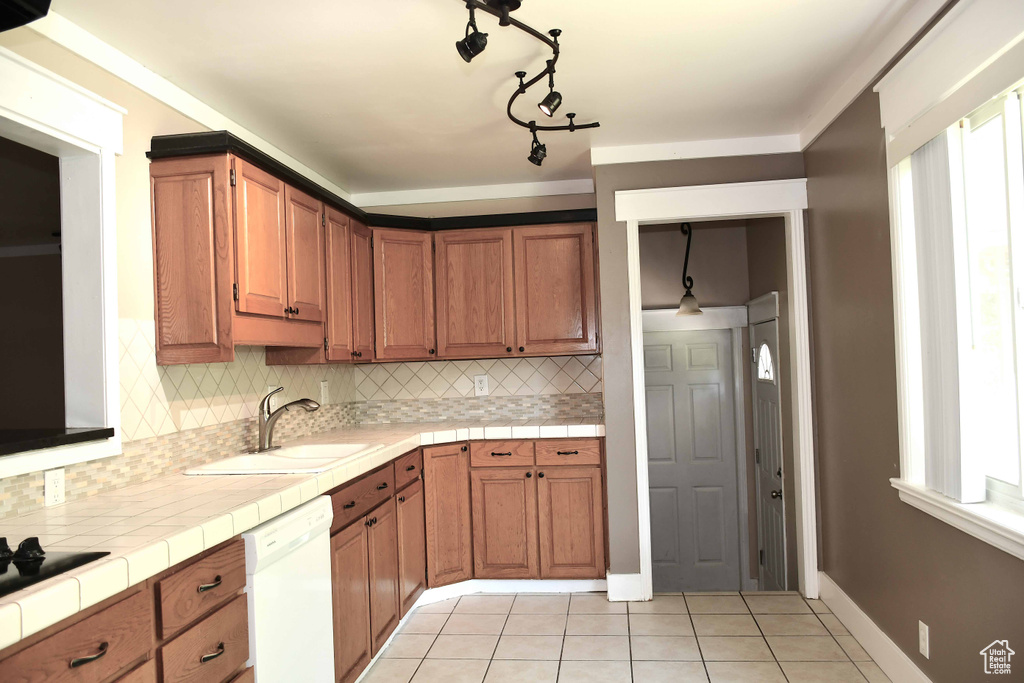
[42,110]
[974,53]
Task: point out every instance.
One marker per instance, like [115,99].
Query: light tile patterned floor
[721,637]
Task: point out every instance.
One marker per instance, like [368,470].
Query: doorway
[692,459]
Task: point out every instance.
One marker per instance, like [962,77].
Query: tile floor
[721,637]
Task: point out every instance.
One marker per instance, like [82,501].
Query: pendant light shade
[688,304]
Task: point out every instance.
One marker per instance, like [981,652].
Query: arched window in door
[765,366]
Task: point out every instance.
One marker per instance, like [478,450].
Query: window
[960,208]
[765,368]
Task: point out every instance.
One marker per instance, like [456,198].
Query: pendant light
[688,304]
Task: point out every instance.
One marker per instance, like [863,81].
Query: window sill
[995,525]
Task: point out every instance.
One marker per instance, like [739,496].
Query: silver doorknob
[776,494]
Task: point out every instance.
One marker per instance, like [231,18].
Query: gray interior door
[691,450]
[771,509]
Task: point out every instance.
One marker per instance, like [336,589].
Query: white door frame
[734,319]
[786,198]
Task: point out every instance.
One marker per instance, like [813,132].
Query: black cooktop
[30,564]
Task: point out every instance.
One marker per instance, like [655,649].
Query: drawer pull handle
[568,452]
[81,661]
[381,487]
[501,455]
[213,655]
[209,586]
[410,468]
[349,506]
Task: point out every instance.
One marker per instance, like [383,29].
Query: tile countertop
[160,523]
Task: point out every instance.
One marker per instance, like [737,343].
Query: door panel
[384,578]
[692,460]
[475,313]
[305,250]
[404,294]
[447,502]
[350,585]
[412,548]
[555,289]
[505,524]
[339,286]
[771,512]
[362,291]
[260,241]
[571,520]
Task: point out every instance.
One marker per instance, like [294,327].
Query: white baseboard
[472,586]
[625,588]
[889,657]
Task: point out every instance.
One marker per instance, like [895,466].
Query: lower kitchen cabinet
[571,512]
[505,523]
[412,547]
[350,581]
[449,530]
[382,546]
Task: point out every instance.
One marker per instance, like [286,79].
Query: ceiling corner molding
[73,37]
[695,149]
[473,193]
[919,16]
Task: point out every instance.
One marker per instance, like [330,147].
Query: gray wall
[620,439]
[898,564]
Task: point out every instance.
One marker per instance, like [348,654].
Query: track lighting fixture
[538,152]
[475,42]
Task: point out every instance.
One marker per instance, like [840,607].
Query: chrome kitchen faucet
[269,419]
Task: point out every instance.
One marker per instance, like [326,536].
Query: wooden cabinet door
[505,524]
[384,580]
[305,250]
[403,293]
[192,271]
[362,292]
[449,532]
[571,523]
[412,545]
[260,241]
[555,289]
[338,271]
[474,285]
[350,584]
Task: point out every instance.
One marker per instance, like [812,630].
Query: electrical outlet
[325,396]
[275,400]
[53,487]
[480,387]
[922,638]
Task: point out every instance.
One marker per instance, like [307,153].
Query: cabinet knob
[295,311]
[508,349]
[464,448]
[521,349]
[432,352]
[401,499]
[529,475]
[359,354]
[540,474]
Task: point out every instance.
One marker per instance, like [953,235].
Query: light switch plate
[53,487]
[922,638]
[480,387]
[324,393]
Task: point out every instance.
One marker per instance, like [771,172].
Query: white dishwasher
[288,584]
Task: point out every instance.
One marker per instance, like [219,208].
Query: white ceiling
[372,94]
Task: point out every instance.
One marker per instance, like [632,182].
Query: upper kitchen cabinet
[260,241]
[556,307]
[475,293]
[362,292]
[403,293]
[338,269]
[192,263]
[304,228]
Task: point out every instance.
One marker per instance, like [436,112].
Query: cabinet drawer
[569,452]
[247,676]
[210,650]
[354,500]
[97,647]
[408,468]
[144,673]
[195,590]
[501,454]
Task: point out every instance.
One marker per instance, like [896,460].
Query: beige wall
[718,264]
[898,564]
[618,379]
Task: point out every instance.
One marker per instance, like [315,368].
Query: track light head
[551,102]
[537,151]
[474,42]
